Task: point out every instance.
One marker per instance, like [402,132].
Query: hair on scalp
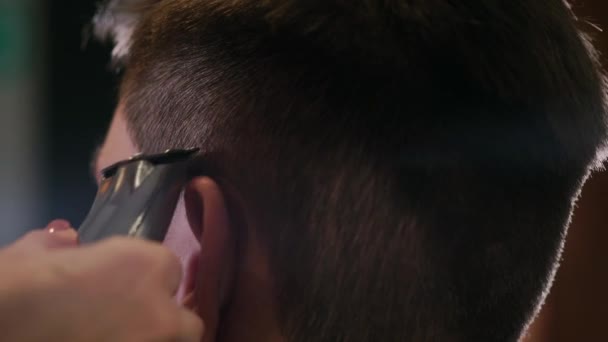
[412,164]
[336,22]
[116,20]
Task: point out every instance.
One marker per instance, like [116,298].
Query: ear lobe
[213,276]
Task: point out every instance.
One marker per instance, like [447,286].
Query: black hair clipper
[137,197]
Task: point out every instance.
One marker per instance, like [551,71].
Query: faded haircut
[412,165]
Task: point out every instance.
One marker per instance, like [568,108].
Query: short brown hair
[412,164]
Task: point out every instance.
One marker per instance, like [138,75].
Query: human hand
[117,290]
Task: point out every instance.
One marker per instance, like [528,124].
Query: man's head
[379,170]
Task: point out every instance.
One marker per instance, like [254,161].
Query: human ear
[214,268]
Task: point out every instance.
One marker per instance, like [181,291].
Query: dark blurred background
[81,99]
[56,98]
[57,95]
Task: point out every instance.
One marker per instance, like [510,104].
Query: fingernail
[58,225]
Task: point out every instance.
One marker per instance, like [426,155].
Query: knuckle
[115,244]
[197,326]
[168,259]
[127,252]
[183,325]
[168,323]
[148,257]
[170,267]
[126,247]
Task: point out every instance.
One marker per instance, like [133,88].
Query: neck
[251,313]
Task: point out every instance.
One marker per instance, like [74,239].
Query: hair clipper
[137,197]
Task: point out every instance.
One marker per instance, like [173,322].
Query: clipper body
[137,197]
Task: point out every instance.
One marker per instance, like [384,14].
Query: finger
[164,266]
[40,240]
[171,269]
[59,225]
[62,238]
[192,327]
[166,263]
[151,260]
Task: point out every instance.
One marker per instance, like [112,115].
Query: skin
[71,293]
[230,290]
